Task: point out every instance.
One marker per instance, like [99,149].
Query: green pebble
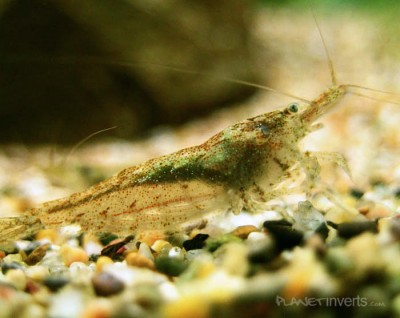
[338,262]
[170,266]
[213,244]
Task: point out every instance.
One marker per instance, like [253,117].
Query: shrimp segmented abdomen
[138,208]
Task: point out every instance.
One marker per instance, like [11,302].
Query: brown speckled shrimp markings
[236,168]
[239,167]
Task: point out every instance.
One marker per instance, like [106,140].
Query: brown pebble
[138,260]
[116,248]
[106,284]
[316,243]
[37,254]
[243,231]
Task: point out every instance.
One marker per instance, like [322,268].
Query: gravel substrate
[247,272]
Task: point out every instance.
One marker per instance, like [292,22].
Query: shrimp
[243,164]
[243,167]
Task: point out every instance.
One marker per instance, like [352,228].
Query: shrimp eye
[293,107]
[264,128]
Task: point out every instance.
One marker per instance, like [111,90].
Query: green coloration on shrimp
[242,167]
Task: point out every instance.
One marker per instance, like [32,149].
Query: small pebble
[395,227]
[102,262]
[261,248]
[54,283]
[284,235]
[256,237]
[29,246]
[364,251]
[9,247]
[160,245]
[13,258]
[138,260]
[176,252]
[33,311]
[32,287]
[188,306]
[116,248]
[67,303]
[214,243]
[148,296]
[232,257]
[145,250]
[170,266]
[243,231]
[106,284]
[49,235]
[337,261]
[356,193]
[323,231]
[350,229]
[93,248]
[17,278]
[5,267]
[316,243]
[98,308]
[73,254]
[37,254]
[80,273]
[196,242]
[37,272]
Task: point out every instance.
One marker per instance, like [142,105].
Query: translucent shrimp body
[243,164]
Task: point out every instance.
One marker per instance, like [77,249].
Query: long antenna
[88,60]
[77,145]
[330,63]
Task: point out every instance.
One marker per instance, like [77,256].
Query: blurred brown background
[64,72]
[69,68]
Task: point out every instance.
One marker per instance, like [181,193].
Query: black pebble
[54,283]
[261,253]
[284,235]
[356,193]
[350,229]
[323,230]
[196,243]
[106,284]
[5,267]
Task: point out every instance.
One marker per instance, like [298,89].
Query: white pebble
[17,278]
[66,304]
[256,237]
[37,272]
[80,272]
[176,252]
[144,250]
